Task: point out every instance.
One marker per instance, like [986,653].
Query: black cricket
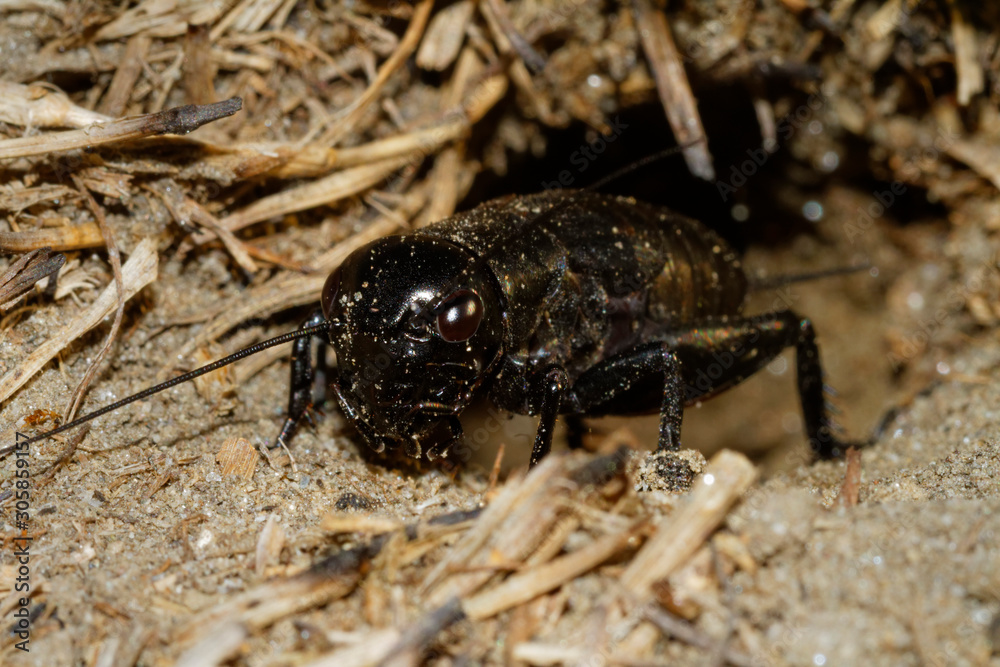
[560,303]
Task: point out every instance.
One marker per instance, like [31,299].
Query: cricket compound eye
[459,317]
[331,289]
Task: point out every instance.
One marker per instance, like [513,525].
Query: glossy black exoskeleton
[568,303]
[564,302]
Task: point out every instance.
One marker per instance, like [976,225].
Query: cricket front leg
[301,383]
[547,389]
[528,391]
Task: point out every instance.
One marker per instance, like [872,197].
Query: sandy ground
[908,576]
[140,544]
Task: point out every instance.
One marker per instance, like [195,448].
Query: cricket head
[416,324]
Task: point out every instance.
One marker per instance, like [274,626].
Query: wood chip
[269,545]
[199,66]
[327,190]
[850,489]
[218,388]
[123,84]
[39,105]
[18,200]
[336,524]
[971,79]
[249,16]
[546,653]
[982,155]
[216,648]
[179,120]
[887,19]
[77,237]
[727,476]
[328,580]
[369,651]
[157,18]
[524,586]
[507,532]
[238,457]
[444,37]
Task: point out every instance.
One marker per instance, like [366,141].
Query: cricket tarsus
[180,379]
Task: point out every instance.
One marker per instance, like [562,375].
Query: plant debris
[186,175]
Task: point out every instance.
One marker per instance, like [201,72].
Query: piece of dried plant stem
[348,120]
[115,259]
[675,91]
[179,120]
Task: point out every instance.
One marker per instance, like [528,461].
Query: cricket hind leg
[301,385]
[721,355]
[702,360]
[820,427]
[683,367]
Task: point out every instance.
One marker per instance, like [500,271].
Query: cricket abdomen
[702,277]
[633,272]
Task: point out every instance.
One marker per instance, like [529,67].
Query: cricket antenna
[642,162]
[180,379]
[773,282]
